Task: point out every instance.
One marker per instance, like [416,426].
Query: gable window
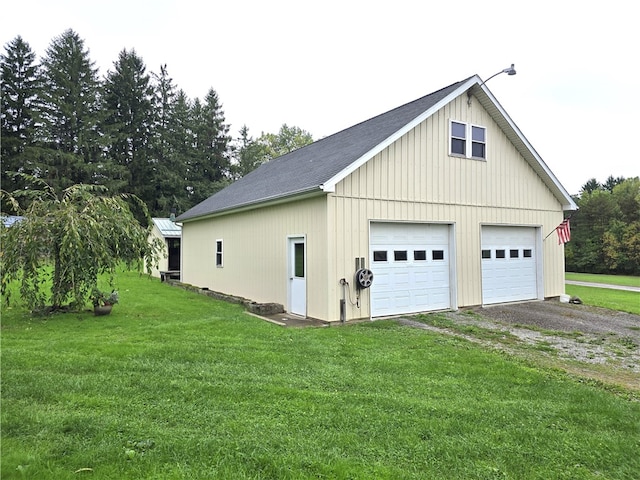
[467,140]
[218,253]
[478,144]
[458,138]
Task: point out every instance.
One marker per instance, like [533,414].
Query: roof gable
[318,167]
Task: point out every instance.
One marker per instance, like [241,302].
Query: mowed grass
[620,300]
[175,385]
[625,280]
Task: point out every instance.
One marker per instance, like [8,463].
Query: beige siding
[163,262]
[255,252]
[415,180]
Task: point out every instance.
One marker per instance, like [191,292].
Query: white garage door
[410,264]
[508,264]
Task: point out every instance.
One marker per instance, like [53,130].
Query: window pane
[513,254]
[458,146]
[477,150]
[437,255]
[500,254]
[400,255]
[299,260]
[380,256]
[458,130]
[218,253]
[419,254]
[526,253]
[486,253]
[477,134]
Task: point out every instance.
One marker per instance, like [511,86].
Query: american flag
[564,232]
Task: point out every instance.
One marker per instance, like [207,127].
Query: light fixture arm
[509,71]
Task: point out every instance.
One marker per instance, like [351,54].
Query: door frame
[296,306]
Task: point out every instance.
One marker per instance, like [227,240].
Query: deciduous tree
[72,235]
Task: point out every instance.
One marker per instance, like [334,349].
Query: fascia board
[275,200]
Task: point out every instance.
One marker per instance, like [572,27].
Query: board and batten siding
[163,261]
[416,180]
[255,247]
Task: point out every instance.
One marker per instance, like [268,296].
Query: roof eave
[314,191]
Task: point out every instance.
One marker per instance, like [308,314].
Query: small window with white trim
[218,253]
[379,255]
[400,255]
[467,140]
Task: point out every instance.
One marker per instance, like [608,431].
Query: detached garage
[443,199]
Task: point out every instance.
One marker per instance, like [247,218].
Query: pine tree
[130,121]
[71,115]
[210,169]
[169,147]
[20,84]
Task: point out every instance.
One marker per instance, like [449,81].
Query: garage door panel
[508,264]
[411,281]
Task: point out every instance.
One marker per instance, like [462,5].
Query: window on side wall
[467,140]
[218,253]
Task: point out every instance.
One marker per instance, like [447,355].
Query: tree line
[605,230]
[129,131]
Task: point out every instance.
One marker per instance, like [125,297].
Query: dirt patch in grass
[588,341]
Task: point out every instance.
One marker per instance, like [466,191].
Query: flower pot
[100,310]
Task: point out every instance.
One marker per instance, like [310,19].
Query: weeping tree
[66,239]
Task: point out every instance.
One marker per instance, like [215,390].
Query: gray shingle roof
[308,168]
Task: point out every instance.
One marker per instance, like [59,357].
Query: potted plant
[103,302]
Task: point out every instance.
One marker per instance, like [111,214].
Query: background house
[169,232]
[443,199]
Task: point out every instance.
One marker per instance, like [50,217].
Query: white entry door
[297,276]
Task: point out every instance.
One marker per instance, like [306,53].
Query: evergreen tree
[209,169]
[20,102]
[183,141]
[130,122]
[591,186]
[248,154]
[169,147]
[71,115]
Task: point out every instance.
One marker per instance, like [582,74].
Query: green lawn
[174,385]
[626,280]
[621,300]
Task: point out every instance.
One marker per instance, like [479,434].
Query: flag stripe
[564,232]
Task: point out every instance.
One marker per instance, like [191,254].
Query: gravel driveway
[566,317]
[589,335]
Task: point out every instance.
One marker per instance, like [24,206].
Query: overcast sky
[326,65]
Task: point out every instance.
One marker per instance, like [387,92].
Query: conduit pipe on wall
[343,304]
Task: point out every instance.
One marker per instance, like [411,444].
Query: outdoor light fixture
[509,71]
